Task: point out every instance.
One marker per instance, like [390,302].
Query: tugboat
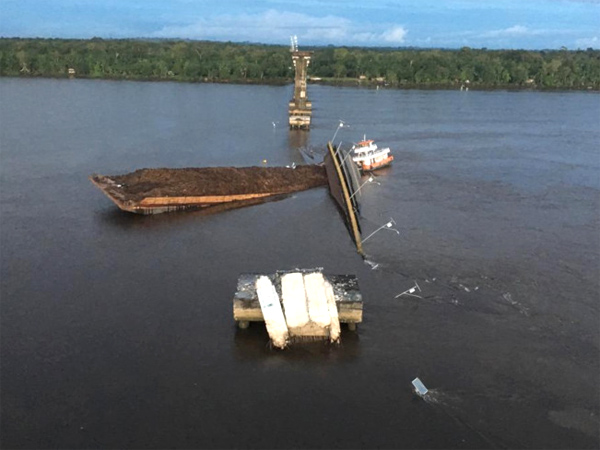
[369,157]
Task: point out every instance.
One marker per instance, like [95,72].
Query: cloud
[514,31]
[275,27]
[593,42]
[395,35]
[515,36]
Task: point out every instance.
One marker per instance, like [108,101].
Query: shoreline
[354,83]
[244,63]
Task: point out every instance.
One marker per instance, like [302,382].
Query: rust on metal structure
[339,187]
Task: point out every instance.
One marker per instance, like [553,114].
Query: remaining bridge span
[300,108]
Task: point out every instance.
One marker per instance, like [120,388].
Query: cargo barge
[155,191]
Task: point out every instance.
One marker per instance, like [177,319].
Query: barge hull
[155,191]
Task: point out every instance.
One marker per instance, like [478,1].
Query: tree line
[254,63]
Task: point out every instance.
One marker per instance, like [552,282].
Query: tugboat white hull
[369,157]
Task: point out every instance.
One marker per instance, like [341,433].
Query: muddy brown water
[117,331]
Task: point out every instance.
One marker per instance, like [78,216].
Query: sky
[494,24]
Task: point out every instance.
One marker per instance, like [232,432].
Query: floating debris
[411,291]
[515,304]
[508,297]
[419,387]
[372,264]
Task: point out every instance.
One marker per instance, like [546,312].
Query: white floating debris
[272,312]
[411,291]
[372,264]
[419,387]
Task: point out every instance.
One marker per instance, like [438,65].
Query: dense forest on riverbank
[254,63]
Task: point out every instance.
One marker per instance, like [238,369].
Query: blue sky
[521,24]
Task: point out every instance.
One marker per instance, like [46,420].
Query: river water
[117,329]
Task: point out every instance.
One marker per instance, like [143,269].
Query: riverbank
[446,86]
[227,62]
[343,82]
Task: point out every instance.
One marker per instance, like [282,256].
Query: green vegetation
[248,63]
